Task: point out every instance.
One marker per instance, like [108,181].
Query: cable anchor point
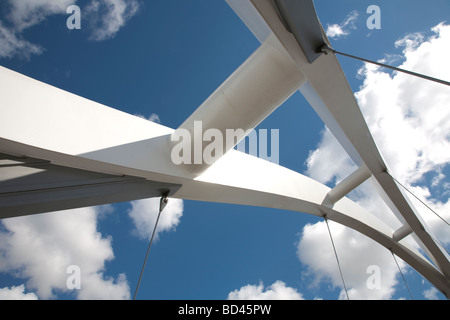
[326,49]
[163,202]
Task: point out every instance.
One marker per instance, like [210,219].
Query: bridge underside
[60,151]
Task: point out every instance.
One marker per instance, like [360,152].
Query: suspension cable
[162,204]
[404,279]
[417,197]
[337,258]
[327,49]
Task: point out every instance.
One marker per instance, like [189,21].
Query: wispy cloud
[27,13]
[105,18]
[153,117]
[335,31]
[276,291]
[12,44]
[431,294]
[22,15]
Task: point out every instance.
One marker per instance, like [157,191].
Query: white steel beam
[402,233]
[347,185]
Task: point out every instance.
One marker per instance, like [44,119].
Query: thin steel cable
[417,198]
[404,279]
[439,243]
[337,258]
[326,49]
[161,207]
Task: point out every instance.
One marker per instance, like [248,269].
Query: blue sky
[165,58]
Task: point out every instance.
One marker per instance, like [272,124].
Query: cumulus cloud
[335,31]
[40,248]
[276,291]
[316,252]
[16,293]
[409,119]
[107,17]
[145,212]
[410,122]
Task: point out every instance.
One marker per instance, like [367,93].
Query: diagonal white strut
[258,87]
[347,185]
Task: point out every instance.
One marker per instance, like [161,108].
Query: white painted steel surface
[40,121]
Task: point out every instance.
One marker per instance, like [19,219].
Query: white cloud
[431,294]
[12,44]
[22,15]
[145,212]
[410,122]
[39,248]
[335,170]
[16,293]
[97,287]
[409,119]
[153,117]
[335,31]
[438,178]
[276,291]
[27,13]
[316,252]
[410,41]
[107,17]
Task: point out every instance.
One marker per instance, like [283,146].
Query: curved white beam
[237,178]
